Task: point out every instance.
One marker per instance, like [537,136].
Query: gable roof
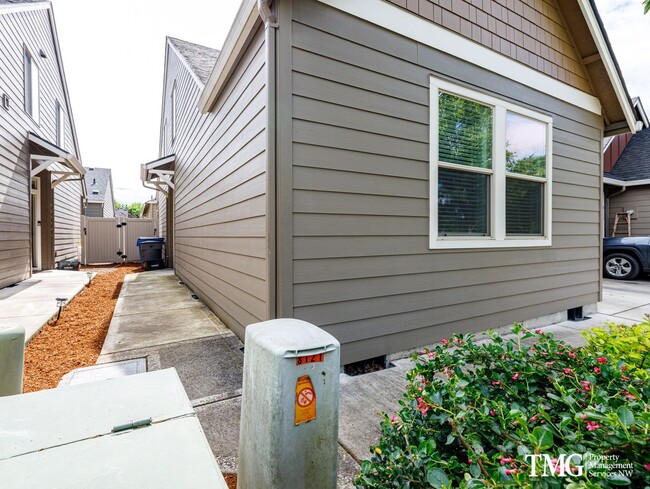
[12,6]
[199,59]
[634,162]
[97,183]
[612,101]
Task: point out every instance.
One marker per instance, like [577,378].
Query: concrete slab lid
[50,418]
[104,371]
[169,455]
[288,337]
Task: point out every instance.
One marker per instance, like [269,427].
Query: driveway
[627,300]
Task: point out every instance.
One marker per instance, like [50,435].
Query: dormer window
[31,86]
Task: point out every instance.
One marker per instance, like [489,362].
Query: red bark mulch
[76,339]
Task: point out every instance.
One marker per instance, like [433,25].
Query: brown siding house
[627,180]
[41,178]
[391,171]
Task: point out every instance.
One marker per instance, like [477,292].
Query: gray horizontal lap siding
[220,201]
[17,30]
[638,199]
[362,268]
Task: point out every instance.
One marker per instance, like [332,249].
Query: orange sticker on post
[310,359]
[305,400]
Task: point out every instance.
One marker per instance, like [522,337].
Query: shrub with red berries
[474,415]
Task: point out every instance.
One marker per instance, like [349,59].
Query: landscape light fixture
[60,302]
[90,276]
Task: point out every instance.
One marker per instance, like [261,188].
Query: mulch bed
[76,339]
[231,480]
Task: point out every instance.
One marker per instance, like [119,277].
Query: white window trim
[31,86]
[497,237]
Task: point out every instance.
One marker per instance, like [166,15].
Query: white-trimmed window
[173,112]
[60,125]
[490,171]
[31,86]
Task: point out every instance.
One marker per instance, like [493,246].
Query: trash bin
[151,256]
[67,264]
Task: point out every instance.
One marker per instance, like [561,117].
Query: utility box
[12,358]
[290,407]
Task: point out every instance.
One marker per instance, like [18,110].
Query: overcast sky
[114,51]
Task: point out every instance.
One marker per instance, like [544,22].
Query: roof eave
[605,51]
[244,25]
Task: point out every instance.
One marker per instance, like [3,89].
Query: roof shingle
[97,181]
[634,162]
[201,59]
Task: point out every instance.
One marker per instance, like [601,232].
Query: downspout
[623,189]
[270,42]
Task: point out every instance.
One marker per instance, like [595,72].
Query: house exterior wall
[356,101]
[31,29]
[615,150]
[219,202]
[95,209]
[532,32]
[638,199]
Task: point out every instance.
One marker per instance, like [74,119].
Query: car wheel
[621,267]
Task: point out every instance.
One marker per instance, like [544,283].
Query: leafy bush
[479,415]
[624,345]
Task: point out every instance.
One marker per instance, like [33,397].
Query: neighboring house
[99,183]
[150,211]
[122,213]
[391,171]
[627,178]
[41,178]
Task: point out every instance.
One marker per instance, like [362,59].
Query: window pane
[525,146]
[463,203]
[524,207]
[465,132]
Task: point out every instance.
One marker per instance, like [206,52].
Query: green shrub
[627,346]
[479,415]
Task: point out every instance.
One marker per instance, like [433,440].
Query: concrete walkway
[158,322]
[32,302]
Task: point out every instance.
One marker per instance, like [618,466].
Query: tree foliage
[134,209]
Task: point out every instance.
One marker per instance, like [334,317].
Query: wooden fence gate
[113,240]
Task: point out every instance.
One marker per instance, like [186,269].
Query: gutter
[270,43]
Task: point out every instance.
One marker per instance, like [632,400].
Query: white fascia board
[626,183]
[9,8]
[638,105]
[608,62]
[423,31]
[244,23]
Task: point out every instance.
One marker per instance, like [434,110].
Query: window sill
[487,243]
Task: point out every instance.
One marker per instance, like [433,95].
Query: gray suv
[625,258]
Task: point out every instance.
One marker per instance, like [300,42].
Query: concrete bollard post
[290,407]
[12,359]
